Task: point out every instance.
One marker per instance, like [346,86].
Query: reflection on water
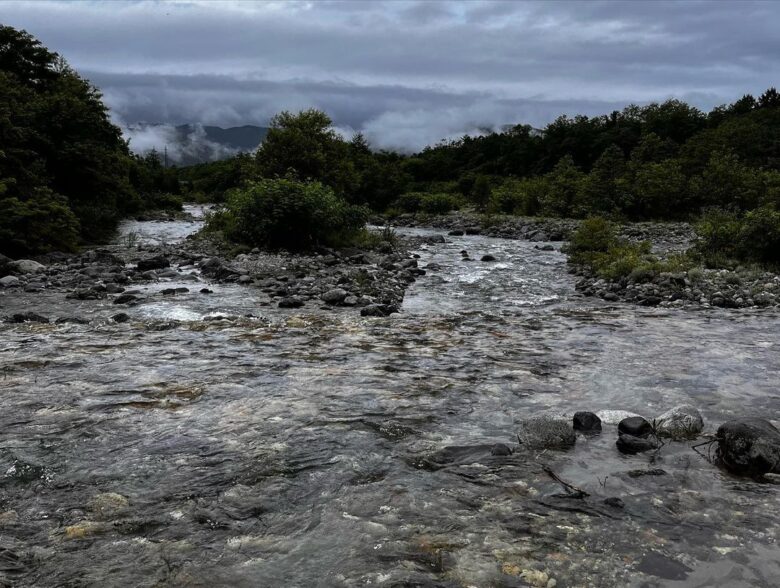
[294,450]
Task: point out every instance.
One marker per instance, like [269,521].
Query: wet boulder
[488,257]
[26,266]
[9,282]
[636,426]
[546,432]
[27,317]
[586,422]
[631,445]
[291,302]
[216,269]
[378,310]
[153,263]
[456,233]
[681,422]
[500,449]
[749,446]
[335,296]
[125,299]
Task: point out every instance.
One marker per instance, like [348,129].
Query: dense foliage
[287,214]
[65,171]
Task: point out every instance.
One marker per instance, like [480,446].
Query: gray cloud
[406,73]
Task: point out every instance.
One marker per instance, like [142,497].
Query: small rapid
[211,441]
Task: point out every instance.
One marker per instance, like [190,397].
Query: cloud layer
[406,73]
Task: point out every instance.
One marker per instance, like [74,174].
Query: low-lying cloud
[178,145]
[406,73]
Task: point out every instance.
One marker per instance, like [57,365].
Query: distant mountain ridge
[189,144]
[244,138]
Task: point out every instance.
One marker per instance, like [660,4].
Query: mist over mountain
[192,143]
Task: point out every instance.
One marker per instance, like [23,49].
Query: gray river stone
[334,296]
[681,422]
[27,266]
[9,282]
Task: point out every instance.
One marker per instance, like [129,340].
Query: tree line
[67,176]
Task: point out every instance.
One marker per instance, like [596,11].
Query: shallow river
[295,449]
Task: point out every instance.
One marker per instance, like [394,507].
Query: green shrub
[594,235]
[726,237]
[595,245]
[287,214]
[436,203]
[439,203]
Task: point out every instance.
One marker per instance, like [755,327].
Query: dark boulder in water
[488,257]
[749,446]
[587,422]
[501,449]
[632,445]
[291,302]
[635,426]
[153,263]
[27,317]
[378,310]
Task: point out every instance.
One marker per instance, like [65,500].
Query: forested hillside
[66,174]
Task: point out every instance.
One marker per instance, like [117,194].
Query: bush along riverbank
[616,268]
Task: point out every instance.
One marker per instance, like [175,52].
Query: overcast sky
[406,73]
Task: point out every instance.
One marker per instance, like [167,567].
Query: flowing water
[308,449]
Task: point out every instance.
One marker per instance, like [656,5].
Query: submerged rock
[27,317]
[631,445]
[749,446]
[681,422]
[635,426]
[586,422]
[488,257]
[546,432]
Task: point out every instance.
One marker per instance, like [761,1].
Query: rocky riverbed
[209,439]
[699,287]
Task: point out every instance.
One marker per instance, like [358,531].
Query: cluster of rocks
[746,446]
[505,227]
[666,237]
[697,287]
[371,280]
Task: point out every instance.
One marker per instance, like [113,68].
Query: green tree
[58,146]
[480,192]
[564,184]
